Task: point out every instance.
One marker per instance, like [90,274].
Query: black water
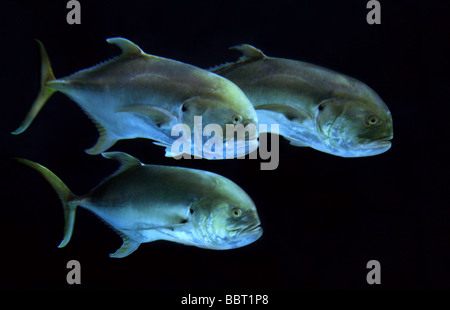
[324,217]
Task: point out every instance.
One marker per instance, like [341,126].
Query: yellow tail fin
[44,93]
[66,196]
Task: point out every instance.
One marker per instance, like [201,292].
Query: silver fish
[137,95]
[313,106]
[144,203]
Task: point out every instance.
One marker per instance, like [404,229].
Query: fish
[145,203]
[314,106]
[138,95]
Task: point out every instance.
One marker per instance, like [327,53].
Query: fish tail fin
[68,199]
[44,93]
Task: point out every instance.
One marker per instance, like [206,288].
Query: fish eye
[372,120]
[191,211]
[237,119]
[236,212]
[320,108]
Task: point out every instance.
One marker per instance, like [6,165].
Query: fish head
[227,108]
[226,226]
[354,128]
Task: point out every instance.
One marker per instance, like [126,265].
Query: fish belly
[145,224]
[104,110]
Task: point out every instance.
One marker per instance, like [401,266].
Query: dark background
[324,217]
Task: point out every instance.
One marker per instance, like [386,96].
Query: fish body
[314,106]
[144,203]
[137,95]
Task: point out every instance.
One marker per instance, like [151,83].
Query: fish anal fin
[104,142]
[292,113]
[128,247]
[129,49]
[159,116]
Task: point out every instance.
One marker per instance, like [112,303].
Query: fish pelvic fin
[297,143]
[45,91]
[68,199]
[128,247]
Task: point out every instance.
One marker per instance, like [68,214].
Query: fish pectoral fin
[159,116]
[290,112]
[128,247]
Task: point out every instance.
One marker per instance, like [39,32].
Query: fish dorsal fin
[248,52]
[126,161]
[129,49]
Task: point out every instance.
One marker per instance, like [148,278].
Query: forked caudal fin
[66,196]
[44,93]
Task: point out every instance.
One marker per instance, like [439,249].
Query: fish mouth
[252,229]
[374,148]
[380,143]
[243,237]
